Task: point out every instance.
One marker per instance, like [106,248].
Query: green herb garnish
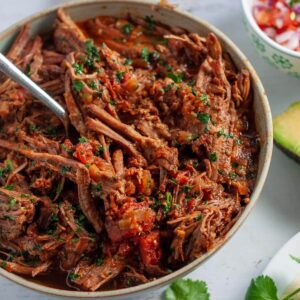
[175,77]
[120,75]
[78,85]
[73,276]
[213,157]
[203,117]
[92,53]
[145,54]
[83,140]
[168,199]
[128,62]
[187,289]
[127,29]
[9,187]
[78,68]
[99,261]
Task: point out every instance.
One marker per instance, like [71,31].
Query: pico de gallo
[279,20]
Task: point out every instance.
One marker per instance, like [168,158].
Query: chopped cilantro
[83,140]
[168,204]
[213,157]
[78,68]
[145,54]
[112,102]
[127,29]
[92,53]
[7,169]
[25,195]
[9,187]
[99,150]
[175,77]
[12,202]
[92,84]
[77,85]
[73,276]
[203,117]
[99,261]
[120,75]
[128,62]
[226,135]
[238,141]
[203,97]
[232,175]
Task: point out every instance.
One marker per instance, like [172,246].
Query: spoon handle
[11,71]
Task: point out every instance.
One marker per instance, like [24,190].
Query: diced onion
[283,37]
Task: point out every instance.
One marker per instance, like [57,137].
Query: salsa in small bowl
[274,28]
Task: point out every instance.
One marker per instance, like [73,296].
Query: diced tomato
[134,219]
[84,153]
[150,248]
[191,204]
[182,178]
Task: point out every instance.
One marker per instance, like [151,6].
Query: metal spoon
[10,70]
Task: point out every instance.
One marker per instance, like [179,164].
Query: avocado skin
[278,137]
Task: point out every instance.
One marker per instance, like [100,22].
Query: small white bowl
[279,56]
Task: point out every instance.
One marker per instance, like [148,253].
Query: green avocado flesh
[287,130]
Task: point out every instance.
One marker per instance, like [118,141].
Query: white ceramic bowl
[280,57]
[84,9]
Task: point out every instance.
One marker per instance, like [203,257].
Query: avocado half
[287,131]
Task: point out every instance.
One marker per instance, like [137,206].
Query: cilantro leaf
[77,85]
[145,54]
[127,29]
[175,77]
[296,259]
[203,117]
[187,289]
[262,288]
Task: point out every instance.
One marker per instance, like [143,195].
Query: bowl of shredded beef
[168,146]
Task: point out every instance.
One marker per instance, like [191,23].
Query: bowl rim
[247,8]
[160,282]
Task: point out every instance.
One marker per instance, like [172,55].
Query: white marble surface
[276,216]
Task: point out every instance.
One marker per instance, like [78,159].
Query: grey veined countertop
[276,216]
